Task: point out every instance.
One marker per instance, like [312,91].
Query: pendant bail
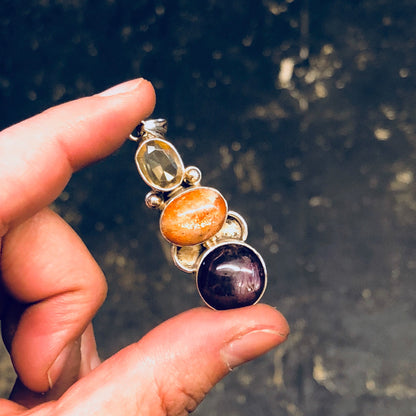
[153,128]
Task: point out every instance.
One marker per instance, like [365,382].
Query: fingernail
[127,86]
[68,361]
[89,354]
[249,346]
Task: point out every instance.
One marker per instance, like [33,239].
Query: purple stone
[231,275]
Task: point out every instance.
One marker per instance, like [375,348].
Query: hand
[51,286]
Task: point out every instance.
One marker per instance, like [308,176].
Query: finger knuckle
[179,397]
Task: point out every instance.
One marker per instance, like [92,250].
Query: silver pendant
[207,239]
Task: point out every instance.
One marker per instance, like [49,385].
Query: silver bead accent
[192,175]
[154,200]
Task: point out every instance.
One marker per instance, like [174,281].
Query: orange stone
[193,216]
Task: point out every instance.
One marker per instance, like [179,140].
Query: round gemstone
[231,275]
[193,216]
[159,164]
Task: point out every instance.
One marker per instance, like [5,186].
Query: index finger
[39,155]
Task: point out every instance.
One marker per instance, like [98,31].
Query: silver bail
[155,128]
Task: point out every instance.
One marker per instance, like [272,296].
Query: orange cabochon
[193,216]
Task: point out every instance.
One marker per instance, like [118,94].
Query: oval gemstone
[193,216]
[231,275]
[159,164]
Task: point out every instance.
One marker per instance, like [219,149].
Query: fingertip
[266,328]
[117,111]
[142,90]
[271,316]
[127,86]
[105,120]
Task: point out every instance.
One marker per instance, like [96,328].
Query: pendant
[207,239]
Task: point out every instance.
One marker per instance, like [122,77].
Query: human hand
[51,286]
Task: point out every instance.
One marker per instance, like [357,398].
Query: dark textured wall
[303,114]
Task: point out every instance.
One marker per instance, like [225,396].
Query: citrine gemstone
[193,216]
[231,275]
[159,164]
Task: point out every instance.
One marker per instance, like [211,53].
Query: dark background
[303,114]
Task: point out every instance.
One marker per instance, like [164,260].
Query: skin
[51,287]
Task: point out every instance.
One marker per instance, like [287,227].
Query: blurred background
[302,112]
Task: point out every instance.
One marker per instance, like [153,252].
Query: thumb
[171,369]
[81,358]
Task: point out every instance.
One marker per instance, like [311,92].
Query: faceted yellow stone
[159,164]
[193,216]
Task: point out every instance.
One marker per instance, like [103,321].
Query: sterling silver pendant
[207,239]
